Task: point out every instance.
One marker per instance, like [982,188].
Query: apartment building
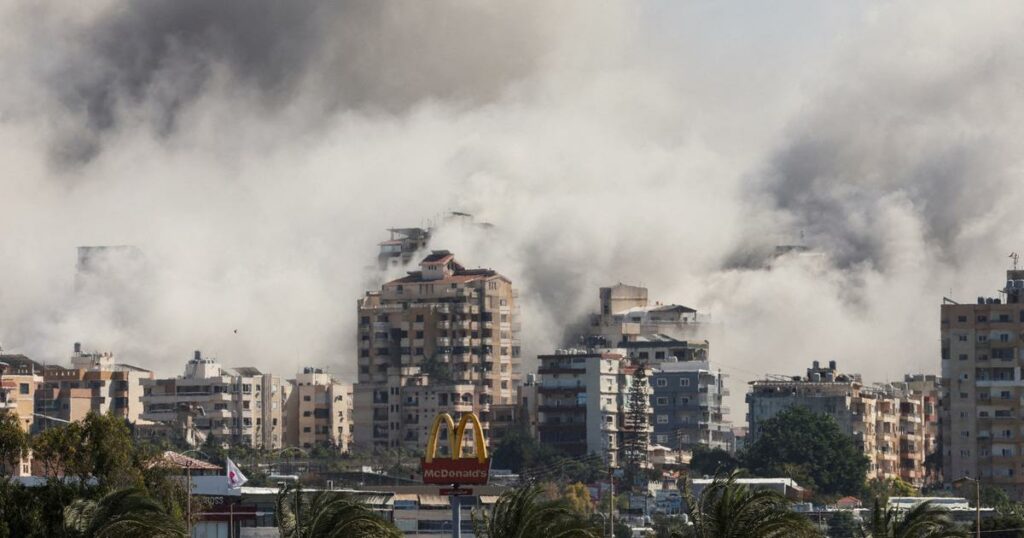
[401,246]
[94,382]
[444,337]
[232,405]
[319,411]
[20,376]
[687,405]
[885,420]
[983,391]
[625,314]
[687,392]
[582,401]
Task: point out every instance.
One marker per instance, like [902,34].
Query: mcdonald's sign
[457,469]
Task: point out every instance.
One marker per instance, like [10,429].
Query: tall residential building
[886,421]
[319,411]
[20,377]
[94,382]
[440,336]
[233,405]
[983,389]
[582,406]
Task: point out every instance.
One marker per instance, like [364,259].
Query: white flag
[235,476]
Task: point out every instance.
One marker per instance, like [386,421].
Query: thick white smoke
[255,151]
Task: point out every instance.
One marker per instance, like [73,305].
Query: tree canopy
[799,443]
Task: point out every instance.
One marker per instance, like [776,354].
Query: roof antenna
[1014,256]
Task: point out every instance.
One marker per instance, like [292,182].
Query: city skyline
[673,146]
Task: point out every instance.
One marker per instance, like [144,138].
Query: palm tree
[125,513]
[328,514]
[924,520]
[521,513]
[728,509]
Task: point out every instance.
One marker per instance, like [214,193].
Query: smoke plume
[256,151]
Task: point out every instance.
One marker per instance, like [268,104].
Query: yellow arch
[478,438]
[432,440]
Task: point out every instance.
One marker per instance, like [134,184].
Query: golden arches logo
[457,469]
[456,435]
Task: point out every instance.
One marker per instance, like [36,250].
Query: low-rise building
[95,382]
[20,376]
[886,420]
[319,411]
[232,405]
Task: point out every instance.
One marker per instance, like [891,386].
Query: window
[662,419]
[23,388]
[661,400]
[963,356]
[963,319]
[662,382]
[662,439]
[307,398]
[962,337]
[684,382]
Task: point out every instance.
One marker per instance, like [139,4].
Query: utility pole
[611,501]
[188,498]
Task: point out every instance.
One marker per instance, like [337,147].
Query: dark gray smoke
[161,56]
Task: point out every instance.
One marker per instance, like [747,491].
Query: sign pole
[456,515]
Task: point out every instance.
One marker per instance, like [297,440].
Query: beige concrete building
[233,405]
[319,411]
[94,382]
[625,314]
[442,338]
[983,390]
[887,421]
[20,377]
[583,399]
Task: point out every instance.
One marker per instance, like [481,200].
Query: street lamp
[977,499]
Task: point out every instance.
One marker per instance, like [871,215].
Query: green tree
[522,513]
[13,440]
[517,450]
[891,487]
[635,434]
[577,496]
[711,461]
[126,513]
[328,514]
[797,441]
[728,509]
[100,447]
[924,520]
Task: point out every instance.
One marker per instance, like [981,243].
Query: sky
[256,151]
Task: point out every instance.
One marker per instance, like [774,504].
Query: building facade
[582,402]
[319,411]
[445,337]
[95,382]
[687,392]
[626,314]
[687,406]
[231,405]
[885,420]
[983,389]
[20,377]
